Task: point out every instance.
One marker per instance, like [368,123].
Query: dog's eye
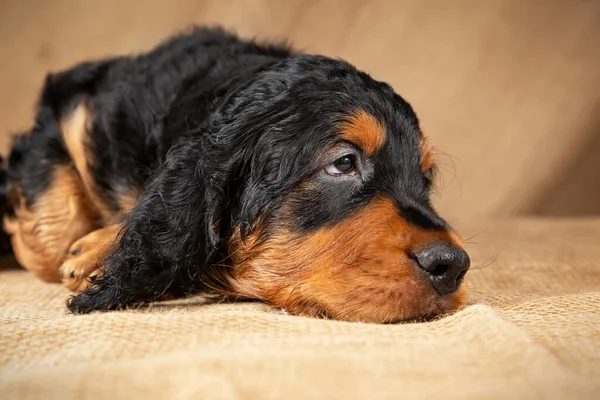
[345,165]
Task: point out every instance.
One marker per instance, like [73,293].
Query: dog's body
[239,167]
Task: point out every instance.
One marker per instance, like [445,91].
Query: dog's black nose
[445,265]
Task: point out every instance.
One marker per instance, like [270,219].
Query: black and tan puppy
[238,167]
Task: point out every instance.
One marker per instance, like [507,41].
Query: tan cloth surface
[532,330]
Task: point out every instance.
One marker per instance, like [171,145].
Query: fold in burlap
[532,330]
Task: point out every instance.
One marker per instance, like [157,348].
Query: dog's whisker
[485,264]
[475,235]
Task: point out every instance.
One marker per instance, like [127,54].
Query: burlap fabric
[532,330]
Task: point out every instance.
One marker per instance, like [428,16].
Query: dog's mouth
[424,309]
[373,266]
[369,300]
[428,311]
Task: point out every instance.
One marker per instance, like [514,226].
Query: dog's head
[328,201]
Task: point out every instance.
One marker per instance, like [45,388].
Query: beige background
[509,90]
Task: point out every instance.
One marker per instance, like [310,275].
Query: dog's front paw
[82,264]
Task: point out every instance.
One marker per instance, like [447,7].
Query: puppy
[234,167]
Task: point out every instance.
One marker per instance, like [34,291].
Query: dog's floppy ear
[163,245]
[176,231]
[237,137]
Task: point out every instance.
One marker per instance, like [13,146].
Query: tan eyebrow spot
[363,130]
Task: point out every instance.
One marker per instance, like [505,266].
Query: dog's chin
[352,297]
[386,308]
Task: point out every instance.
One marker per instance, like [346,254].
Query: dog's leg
[82,264]
[163,243]
[42,232]
[47,207]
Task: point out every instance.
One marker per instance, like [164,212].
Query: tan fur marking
[128,201]
[363,130]
[75,130]
[357,270]
[42,235]
[427,159]
[84,258]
